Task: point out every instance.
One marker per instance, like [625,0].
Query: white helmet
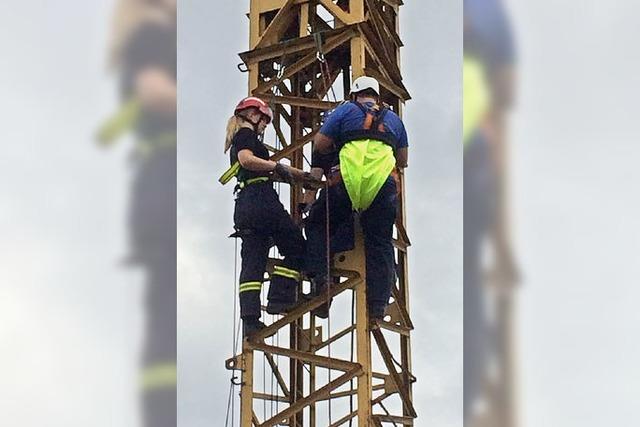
[363,83]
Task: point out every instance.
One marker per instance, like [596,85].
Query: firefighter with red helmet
[260,219]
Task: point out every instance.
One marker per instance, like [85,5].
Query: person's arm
[253,163]
[149,68]
[322,143]
[156,90]
[402,157]
[402,153]
[310,195]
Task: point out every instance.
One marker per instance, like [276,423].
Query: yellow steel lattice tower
[300,49]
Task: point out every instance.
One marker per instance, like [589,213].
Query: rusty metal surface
[361,38]
[313,397]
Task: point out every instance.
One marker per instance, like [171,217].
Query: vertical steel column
[283,58]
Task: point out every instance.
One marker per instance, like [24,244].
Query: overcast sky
[575,207]
[70,316]
[210,36]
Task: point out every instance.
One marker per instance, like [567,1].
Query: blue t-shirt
[349,117]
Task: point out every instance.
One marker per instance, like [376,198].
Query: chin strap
[254,125]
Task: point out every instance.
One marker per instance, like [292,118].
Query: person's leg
[287,274]
[254,251]
[315,230]
[478,203]
[316,254]
[159,356]
[377,226]
[152,224]
[340,219]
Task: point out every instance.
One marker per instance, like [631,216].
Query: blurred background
[555,310]
[88,330]
[574,173]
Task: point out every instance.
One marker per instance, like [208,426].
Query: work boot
[280,307]
[320,289]
[376,314]
[251,325]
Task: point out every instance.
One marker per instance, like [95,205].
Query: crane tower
[341,371]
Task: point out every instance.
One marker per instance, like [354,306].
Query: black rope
[387,412]
[325,71]
[328,283]
[229,405]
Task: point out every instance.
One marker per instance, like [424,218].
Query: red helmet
[258,103]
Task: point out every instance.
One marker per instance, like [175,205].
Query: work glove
[284,174]
[311,183]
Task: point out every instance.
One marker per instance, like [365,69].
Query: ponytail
[233,125]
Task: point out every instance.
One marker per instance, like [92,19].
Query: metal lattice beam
[354,37]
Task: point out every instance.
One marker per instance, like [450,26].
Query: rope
[326,72]
[264,385]
[324,66]
[326,79]
[353,320]
[231,407]
[387,412]
[273,316]
[328,280]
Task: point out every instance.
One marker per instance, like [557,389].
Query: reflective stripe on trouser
[365,165]
[284,283]
[158,383]
[377,226]
[152,222]
[250,286]
[159,376]
[259,210]
[281,271]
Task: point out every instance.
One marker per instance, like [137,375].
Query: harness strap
[373,127]
[256,180]
[379,124]
[229,173]
[253,181]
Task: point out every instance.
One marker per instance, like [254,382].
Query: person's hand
[298,174]
[310,182]
[284,173]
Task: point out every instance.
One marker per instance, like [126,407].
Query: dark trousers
[479,205]
[262,219]
[377,226]
[152,227]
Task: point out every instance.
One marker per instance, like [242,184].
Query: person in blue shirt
[358,148]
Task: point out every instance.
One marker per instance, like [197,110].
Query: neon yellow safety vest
[476,97]
[365,165]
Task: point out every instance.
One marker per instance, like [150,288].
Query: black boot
[279,307]
[320,289]
[376,313]
[251,325]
